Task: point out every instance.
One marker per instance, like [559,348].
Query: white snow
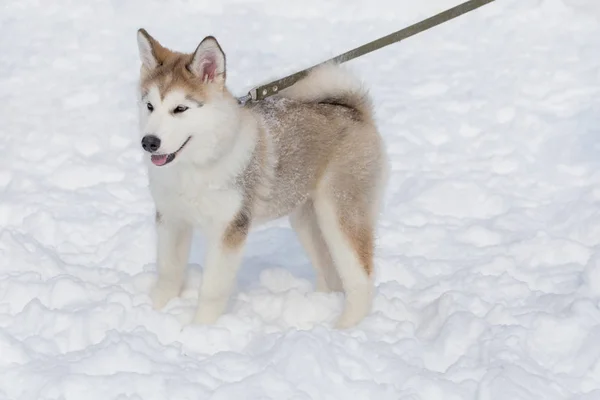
[488,259]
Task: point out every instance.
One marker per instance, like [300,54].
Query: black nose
[150,143]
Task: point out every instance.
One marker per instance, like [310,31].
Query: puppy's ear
[208,62]
[152,53]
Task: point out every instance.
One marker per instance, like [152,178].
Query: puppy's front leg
[224,255]
[173,248]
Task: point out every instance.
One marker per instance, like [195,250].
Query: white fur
[330,80]
[189,199]
[201,192]
[145,50]
[219,277]
[174,240]
[357,284]
[211,126]
[197,190]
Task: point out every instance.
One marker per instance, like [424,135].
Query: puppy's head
[185,108]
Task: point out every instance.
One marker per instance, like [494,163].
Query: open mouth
[164,159]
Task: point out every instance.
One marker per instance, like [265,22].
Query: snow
[488,259]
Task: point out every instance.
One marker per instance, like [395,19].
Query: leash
[269,89]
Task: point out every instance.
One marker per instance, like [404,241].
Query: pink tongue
[159,160]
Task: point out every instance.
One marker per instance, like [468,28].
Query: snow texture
[488,258]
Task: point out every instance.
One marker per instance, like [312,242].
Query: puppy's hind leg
[348,232]
[304,222]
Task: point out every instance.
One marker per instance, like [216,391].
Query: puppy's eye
[150,107]
[179,109]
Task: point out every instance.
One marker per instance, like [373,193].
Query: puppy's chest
[195,199]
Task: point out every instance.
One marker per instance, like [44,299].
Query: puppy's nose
[150,143]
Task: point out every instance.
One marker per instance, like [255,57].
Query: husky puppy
[312,152]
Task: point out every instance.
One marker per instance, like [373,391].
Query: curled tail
[330,83]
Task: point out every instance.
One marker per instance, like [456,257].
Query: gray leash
[269,89]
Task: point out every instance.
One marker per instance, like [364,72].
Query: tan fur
[173,73]
[237,230]
[318,140]
[361,239]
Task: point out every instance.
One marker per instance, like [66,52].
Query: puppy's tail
[330,83]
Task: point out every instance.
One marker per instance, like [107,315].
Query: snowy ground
[488,266]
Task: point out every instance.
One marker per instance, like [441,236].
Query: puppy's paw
[162,293]
[209,311]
